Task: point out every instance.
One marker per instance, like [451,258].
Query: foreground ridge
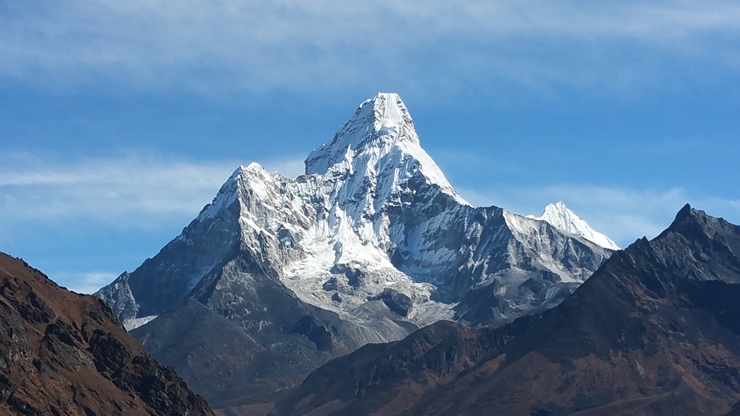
[67,354]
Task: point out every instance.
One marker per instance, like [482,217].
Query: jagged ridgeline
[369,245]
[654,332]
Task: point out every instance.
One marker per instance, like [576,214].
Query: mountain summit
[370,244]
[379,141]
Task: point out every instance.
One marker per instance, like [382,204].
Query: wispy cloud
[86,283]
[290,167]
[624,214]
[227,44]
[141,192]
[128,191]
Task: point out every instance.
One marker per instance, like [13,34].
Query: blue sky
[120,120]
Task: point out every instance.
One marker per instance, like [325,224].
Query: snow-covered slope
[378,142]
[369,244]
[559,216]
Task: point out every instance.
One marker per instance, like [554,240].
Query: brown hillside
[63,353]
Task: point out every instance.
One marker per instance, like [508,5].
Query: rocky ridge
[654,331]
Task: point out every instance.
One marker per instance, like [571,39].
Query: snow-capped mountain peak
[371,243]
[559,216]
[380,122]
[379,143]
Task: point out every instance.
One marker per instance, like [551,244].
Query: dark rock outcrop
[396,301]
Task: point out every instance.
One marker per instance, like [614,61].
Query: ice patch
[131,324]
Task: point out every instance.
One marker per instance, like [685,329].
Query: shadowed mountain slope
[735,410]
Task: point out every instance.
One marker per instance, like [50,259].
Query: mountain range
[369,286]
[655,331]
[276,276]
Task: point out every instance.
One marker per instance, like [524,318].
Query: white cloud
[88,282]
[129,191]
[114,191]
[137,191]
[624,214]
[290,167]
[213,47]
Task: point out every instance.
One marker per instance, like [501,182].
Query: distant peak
[387,100]
[386,96]
[559,216]
[390,110]
[557,210]
[242,171]
[684,212]
[250,172]
[558,207]
[253,168]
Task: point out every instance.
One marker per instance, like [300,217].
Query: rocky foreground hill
[655,331]
[62,353]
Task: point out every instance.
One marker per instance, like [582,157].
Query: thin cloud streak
[289,44]
[137,192]
[290,167]
[86,282]
[129,191]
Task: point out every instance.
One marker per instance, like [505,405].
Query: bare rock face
[735,410]
[66,354]
[119,297]
[366,247]
[395,301]
[655,331]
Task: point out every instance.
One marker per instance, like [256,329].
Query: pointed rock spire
[379,140]
[379,122]
[694,223]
